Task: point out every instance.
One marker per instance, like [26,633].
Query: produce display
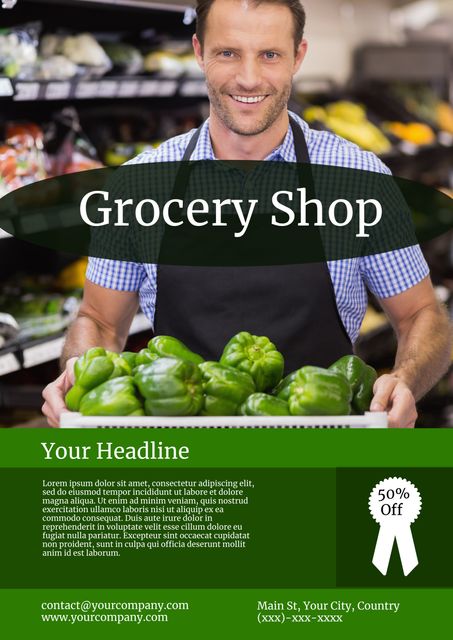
[25,54]
[41,305]
[168,379]
[39,315]
[349,120]
[85,55]
[31,152]
[72,277]
[18,49]
[415,132]
[120,152]
[400,113]
[124,57]
[25,160]
[22,157]
[424,103]
[172,64]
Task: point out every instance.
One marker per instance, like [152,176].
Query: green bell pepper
[282,389]
[145,356]
[130,357]
[93,368]
[80,363]
[364,393]
[361,377]
[352,367]
[116,397]
[257,356]
[225,389]
[263,404]
[319,392]
[169,347]
[171,387]
[121,366]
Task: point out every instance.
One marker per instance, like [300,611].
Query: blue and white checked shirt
[385,274]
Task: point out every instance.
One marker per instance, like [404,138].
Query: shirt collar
[285,152]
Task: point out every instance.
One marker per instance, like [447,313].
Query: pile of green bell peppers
[168,379]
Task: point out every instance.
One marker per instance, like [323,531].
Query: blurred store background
[85,84]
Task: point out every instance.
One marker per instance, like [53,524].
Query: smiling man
[249,52]
[249,69]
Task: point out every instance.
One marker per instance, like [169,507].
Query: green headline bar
[230,448]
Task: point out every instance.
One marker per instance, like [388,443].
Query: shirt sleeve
[120,275]
[387,274]
[116,274]
[390,273]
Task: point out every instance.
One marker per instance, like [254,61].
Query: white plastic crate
[374,420]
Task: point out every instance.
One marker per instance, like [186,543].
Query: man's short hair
[295,6]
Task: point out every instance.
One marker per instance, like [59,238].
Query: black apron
[293,305]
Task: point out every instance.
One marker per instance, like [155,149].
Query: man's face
[249,60]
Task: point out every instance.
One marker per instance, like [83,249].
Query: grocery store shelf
[110,87]
[164,5]
[9,363]
[47,349]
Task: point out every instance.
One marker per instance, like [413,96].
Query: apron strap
[300,144]
[185,167]
[192,144]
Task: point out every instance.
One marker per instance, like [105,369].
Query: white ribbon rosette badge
[395,504]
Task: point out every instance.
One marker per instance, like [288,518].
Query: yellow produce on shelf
[444,116]
[425,104]
[72,276]
[349,111]
[365,134]
[349,121]
[415,132]
[311,114]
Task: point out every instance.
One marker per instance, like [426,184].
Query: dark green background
[357,531]
[291,517]
[309,528]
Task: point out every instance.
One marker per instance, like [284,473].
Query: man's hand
[55,392]
[424,334]
[393,395]
[103,320]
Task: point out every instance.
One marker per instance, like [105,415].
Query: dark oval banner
[216,213]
